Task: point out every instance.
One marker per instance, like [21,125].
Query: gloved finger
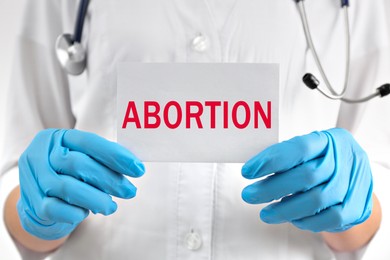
[44,210]
[79,194]
[111,154]
[329,220]
[52,210]
[286,155]
[61,211]
[67,188]
[86,169]
[299,179]
[301,205]
[54,231]
[31,195]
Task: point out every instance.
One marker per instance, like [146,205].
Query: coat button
[200,43]
[193,241]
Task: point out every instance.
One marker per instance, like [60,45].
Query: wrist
[358,236]
[12,222]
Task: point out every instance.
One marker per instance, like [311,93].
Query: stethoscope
[72,55]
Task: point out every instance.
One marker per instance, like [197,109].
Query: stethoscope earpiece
[384,90]
[310,81]
[70,54]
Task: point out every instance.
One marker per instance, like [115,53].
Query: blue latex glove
[323,179]
[64,174]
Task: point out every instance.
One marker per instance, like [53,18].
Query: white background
[10,12]
[9,22]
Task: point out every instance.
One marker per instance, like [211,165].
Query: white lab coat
[176,199]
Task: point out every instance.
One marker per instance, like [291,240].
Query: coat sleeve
[38,94]
[370,122]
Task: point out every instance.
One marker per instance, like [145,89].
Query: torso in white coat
[175,200]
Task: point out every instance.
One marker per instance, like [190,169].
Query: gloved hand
[323,179]
[64,174]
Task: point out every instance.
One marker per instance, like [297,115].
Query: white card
[197,112]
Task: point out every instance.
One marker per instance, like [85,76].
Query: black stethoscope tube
[79,26]
[343,2]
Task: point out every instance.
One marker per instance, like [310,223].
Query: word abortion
[193,114]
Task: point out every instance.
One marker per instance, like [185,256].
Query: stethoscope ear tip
[70,54]
[310,81]
[384,90]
